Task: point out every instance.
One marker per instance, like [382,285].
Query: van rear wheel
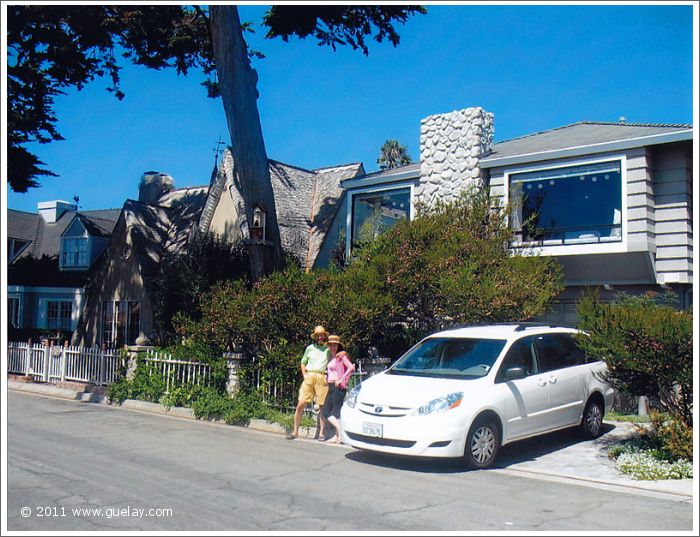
[592,421]
[483,442]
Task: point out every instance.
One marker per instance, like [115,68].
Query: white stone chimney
[51,211]
[153,185]
[450,148]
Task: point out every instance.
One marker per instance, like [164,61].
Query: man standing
[313,367]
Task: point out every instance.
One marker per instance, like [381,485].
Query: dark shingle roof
[581,134]
[21,225]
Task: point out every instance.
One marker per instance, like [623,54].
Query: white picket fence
[55,363]
[177,372]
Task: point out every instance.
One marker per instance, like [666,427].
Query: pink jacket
[341,368]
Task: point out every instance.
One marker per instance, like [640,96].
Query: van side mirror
[514,373]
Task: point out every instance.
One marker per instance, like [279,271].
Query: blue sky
[536,67]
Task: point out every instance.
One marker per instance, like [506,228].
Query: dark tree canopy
[52,48]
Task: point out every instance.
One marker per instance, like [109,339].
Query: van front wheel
[482,444]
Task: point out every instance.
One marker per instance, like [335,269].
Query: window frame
[121,327]
[564,248]
[60,321]
[351,194]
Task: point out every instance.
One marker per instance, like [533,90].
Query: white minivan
[465,392]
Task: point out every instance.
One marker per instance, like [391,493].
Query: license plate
[372,429]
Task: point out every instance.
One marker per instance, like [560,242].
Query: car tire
[592,421]
[483,442]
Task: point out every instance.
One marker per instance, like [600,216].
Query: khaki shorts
[314,385]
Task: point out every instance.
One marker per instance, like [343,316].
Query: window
[374,212]
[59,314]
[74,252]
[521,355]
[14,248]
[572,205]
[556,351]
[450,357]
[121,322]
[13,312]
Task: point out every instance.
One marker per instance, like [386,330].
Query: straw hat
[334,339]
[319,330]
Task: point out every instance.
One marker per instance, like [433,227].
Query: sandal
[290,436]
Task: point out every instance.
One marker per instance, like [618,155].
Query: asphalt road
[139,471]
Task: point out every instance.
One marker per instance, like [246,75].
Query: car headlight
[351,397]
[441,404]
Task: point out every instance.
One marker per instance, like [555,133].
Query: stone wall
[450,148]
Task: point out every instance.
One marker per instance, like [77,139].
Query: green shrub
[674,436]
[211,405]
[647,346]
[119,391]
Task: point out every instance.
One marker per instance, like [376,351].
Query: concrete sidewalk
[558,456]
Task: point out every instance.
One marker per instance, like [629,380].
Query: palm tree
[392,155]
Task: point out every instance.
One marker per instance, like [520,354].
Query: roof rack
[519,325]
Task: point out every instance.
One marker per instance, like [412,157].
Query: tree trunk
[239,94]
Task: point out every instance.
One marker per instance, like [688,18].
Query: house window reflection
[572,205]
[375,212]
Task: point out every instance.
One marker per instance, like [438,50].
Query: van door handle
[542,382]
[552,380]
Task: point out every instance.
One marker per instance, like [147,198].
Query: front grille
[381,441]
[386,410]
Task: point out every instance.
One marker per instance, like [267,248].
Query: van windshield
[450,357]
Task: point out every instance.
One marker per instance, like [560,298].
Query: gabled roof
[306,202]
[584,137]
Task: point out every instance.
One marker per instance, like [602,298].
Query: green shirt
[316,358]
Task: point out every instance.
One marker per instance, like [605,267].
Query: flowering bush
[644,466]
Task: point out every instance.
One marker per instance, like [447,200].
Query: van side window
[556,351]
[520,354]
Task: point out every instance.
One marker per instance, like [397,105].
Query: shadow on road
[515,453]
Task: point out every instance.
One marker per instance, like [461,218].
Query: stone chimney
[450,148]
[153,185]
[51,211]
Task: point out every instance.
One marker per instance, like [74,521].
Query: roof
[502,330]
[584,137]
[306,202]
[46,238]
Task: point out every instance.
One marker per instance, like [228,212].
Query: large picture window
[572,205]
[121,322]
[374,212]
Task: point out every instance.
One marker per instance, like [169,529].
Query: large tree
[53,48]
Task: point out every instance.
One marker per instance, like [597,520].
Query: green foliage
[450,266]
[393,155]
[119,391]
[664,451]
[183,279]
[647,347]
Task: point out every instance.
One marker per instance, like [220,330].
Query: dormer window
[75,247]
[74,252]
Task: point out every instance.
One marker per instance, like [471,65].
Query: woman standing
[338,372]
